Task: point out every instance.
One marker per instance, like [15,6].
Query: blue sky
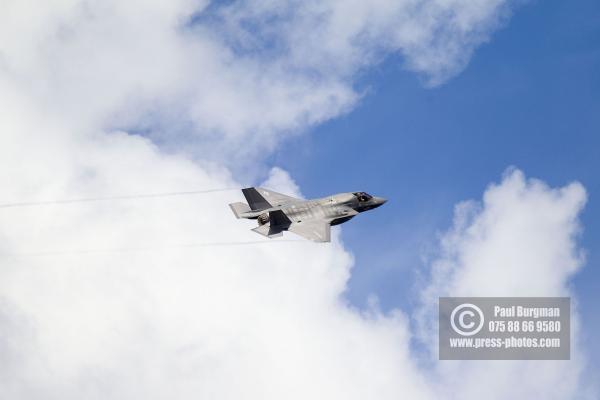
[529,98]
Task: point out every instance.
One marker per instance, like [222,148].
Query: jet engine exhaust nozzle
[263,218]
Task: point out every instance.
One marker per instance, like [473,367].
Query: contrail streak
[108,198]
[146,248]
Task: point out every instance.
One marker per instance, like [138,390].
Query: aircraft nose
[379,201]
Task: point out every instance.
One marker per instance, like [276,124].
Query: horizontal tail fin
[239,209]
[267,231]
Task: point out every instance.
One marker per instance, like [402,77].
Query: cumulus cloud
[135,299]
[338,38]
[521,240]
[513,233]
[239,75]
[130,303]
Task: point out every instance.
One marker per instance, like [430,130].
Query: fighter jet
[312,219]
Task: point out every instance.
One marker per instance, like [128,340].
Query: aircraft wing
[261,199]
[317,231]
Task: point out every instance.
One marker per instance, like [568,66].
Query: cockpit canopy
[363,196]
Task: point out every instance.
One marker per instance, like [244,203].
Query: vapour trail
[108,198]
[146,248]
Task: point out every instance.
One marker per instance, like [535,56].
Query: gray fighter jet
[311,219]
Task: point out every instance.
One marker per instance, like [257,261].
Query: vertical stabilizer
[255,199]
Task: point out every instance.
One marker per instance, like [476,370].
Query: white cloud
[520,241]
[150,311]
[514,233]
[281,181]
[144,317]
[338,38]
[237,75]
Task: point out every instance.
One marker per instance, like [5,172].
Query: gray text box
[504,328]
